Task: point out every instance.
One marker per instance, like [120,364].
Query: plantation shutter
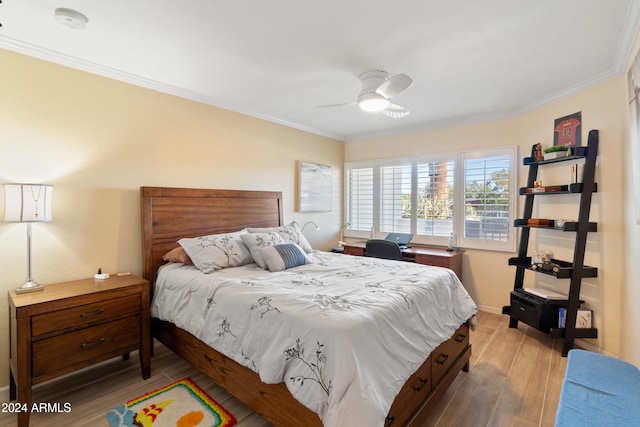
[359,198]
[487,198]
[435,201]
[395,198]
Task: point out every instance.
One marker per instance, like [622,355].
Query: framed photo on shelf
[567,130]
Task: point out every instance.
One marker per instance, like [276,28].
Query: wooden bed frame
[169,214]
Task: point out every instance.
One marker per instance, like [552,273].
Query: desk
[420,254]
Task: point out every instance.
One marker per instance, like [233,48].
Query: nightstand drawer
[86,346]
[84,315]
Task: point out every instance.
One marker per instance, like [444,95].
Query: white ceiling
[471,61]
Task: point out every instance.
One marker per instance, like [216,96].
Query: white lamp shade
[27,202]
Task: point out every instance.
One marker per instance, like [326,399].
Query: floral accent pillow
[256,241]
[290,233]
[217,251]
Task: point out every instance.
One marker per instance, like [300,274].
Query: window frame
[458,159]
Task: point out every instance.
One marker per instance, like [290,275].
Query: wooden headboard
[168,214]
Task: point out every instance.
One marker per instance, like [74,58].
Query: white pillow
[216,251]
[282,257]
[290,233]
[256,241]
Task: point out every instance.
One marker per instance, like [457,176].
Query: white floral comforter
[344,333]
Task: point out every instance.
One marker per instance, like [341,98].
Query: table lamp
[28,203]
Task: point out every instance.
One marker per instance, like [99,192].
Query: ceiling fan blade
[343,104]
[394,85]
[395,111]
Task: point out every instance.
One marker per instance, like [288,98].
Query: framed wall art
[567,130]
[314,187]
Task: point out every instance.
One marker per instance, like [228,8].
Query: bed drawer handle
[423,382]
[92,344]
[93,313]
[442,359]
[390,421]
[460,337]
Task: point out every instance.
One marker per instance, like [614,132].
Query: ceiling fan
[377,89]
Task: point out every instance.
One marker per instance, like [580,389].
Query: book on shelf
[584,318]
[540,222]
[548,189]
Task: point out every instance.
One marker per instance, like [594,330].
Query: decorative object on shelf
[567,130]
[28,203]
[314,187]
[556,151]
[536,152]
[540,257]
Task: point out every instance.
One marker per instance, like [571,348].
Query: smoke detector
[71,18]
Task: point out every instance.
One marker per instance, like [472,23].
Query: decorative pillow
[282,257]
[256,241]
[177,255]
[290,233]
[216,251]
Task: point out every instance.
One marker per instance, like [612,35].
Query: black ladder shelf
[576,270]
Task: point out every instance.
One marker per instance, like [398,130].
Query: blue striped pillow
[282,257]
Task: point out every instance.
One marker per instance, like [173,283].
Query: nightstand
[71,325]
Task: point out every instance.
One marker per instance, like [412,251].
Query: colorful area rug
[181,404]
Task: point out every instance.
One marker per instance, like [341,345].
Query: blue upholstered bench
[599,391]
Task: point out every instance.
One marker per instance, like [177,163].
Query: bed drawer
[86,346]
[446,353]
[414,392]
[83,315]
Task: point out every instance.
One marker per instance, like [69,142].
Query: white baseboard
[488,309]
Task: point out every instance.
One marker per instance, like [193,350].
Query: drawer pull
[442,359]
[390,421]
[423,382]
[460,337]
[92,344]
[93,313]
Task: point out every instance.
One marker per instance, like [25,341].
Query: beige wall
[486,274]
[98,140]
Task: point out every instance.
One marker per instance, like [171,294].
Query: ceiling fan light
[372,102]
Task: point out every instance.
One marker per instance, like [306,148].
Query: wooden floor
[514,380]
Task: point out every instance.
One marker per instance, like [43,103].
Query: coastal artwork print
[314,182]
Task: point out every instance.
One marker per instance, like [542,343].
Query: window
[470,194]
[359,200]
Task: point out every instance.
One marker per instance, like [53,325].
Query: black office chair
[379,248]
